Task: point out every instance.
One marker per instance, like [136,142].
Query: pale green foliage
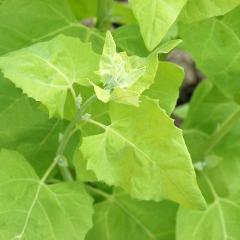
[196,10]
[211,129]
[124,78]
[117,69]
[47,71]
[155,18]
[114,94]
[139,163]
[120,217]
[166,85]
[60,211]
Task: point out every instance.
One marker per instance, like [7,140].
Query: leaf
[60,211]
[135,153]
[120,217]
[196,10]
[220,221]
[124,78]
[56,18]
[129,39]
[25,127]
[155,17]
[166,86]
[47,71]
[214,39]
[117,70]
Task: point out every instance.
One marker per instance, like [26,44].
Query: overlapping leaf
[120,217]
[25,127]
[166,85]
[124,78]
[220,221]
[196,10]
[131,155]
[155,17]
[47,71]
[30,209]
[216,39]
[21,25]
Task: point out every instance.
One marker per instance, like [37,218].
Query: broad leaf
[166,86]
[155,17]
[135,153]
[25,127]
[211,118]
[120,217]
[220,221]
[47,71]
[30,209]
[214,39]
[196,10]
[21,25]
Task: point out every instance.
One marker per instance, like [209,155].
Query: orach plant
[88,146]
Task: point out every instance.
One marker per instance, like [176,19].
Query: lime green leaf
[166,86]
[168,46]
[60,211]
[135,153]
[181,111]
[117,69]
[84,8]
[124,78]
[220,220]
[196,10]
[25,127]
[129,39]
[120,217]
[122,13]
[47,71]
[214,39]
[155,17]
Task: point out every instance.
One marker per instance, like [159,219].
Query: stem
[98,191]
[221,132]
[104,14]
[70,130]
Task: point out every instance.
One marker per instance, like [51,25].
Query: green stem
[104,14]
[221,132]
[98,191]
[70,130]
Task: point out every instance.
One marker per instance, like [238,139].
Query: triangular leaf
[135,153]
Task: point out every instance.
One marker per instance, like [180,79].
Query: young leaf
[166,85]
[124,78]
[196,10]
[155,17]
[120,217]
[135,153]
[30,209]
[117,69]
[47,71]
